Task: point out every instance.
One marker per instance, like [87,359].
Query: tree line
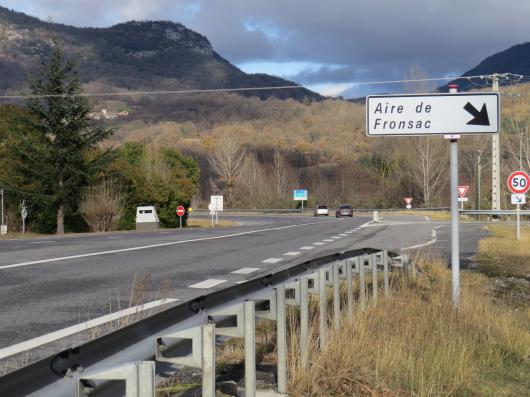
[52,156]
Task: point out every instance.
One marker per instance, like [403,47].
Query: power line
[217,90]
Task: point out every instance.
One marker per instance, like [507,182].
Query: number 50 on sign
[518,182]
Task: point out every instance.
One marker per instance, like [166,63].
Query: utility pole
[478,175]
[495,160]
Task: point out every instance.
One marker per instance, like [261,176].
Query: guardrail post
[281,339]
[208,360]
[349,285]
[362,282]
[304,320]
[385,274]
[322,305]
[250,349]
[139,379]
[202,353]
[373,261]
[336,294]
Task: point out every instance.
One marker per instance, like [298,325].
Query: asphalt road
[50,283]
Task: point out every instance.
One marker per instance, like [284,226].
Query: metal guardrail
[310,210]
[493,212]
[129,354]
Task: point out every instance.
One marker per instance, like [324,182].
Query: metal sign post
[518,183]
[180,212]
[450,115]
[3,229]
[300,195]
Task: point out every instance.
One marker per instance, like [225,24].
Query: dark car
[344,210]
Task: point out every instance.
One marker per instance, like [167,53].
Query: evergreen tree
[60,156]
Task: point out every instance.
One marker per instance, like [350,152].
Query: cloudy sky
[328,45]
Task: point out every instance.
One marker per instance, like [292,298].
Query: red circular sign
[519,182]
[180,210]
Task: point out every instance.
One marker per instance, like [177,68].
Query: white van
[147,218]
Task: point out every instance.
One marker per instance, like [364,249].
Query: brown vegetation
[102,206]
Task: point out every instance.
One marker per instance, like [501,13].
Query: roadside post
[462,191]
[180,212]
[24,215]
[300,195]
[3,227]
[518,183]
[450,115]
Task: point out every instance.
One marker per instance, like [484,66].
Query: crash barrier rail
[494,212]
[135,354]
[310,210]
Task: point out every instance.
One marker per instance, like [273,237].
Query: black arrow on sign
[479,118]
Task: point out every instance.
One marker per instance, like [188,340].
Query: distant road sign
[180,210]
[518,198]
[408,200]
[432,114]
[462,191]
[519,182]
[463,199]
[217,202]
[300,195]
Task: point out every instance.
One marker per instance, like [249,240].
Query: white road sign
[463,199]
[432,114]
[518,198]
[216,203]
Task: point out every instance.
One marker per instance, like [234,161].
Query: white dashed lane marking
[292,253]
[43,242]
[210,283]
[319,243]
[306,247]
[342,234]
[246,270]
[272,260]
[327,240]
[114,237]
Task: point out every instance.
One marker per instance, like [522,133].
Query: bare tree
[226,160]
[102,206]
[425,159]
[426,162]
[253,179]
[279,174]
[516,126]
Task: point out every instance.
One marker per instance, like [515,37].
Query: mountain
[136,55]
[514,60]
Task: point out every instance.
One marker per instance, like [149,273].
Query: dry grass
[415,344]
[433,215]
[502,255]
[207,223]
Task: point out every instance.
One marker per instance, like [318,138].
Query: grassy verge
[501,255]
[207,223]
[416,344]
[433,215]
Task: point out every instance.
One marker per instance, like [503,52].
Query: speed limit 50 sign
[519,182]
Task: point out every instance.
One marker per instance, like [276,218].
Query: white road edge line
[210,283]
[142,247]
[245,270]
[272,260]
[65,332]
[420,245]
[43,242]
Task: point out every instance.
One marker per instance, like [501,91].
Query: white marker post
[450,115]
